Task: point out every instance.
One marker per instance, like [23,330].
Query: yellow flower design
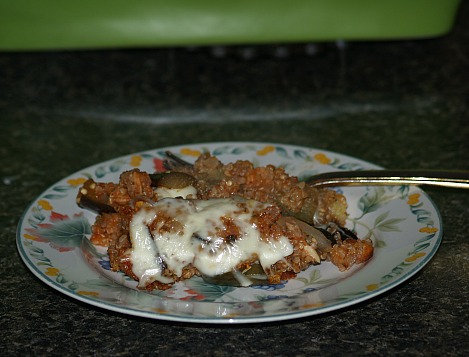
[413,199]
[312,306]
[230,316]
[76,182]
[428,230]
[52,271]
[414,257]
[266,150]
[29,236]
[88,293]
[45,205]
[372,287]
[322,158]
[190,152]
[135,160]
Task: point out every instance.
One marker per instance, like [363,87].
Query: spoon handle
[455,179]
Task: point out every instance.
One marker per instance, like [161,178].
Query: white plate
[403,222]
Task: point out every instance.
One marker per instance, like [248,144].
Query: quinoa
[267,184]
[287,197]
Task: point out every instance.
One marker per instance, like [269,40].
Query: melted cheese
[195,241]
[185,192]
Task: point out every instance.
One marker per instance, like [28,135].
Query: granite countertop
[398,104]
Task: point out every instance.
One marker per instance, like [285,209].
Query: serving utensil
[445,178]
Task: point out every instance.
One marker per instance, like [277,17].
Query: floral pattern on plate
[402,221]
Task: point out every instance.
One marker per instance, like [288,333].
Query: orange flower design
[372,287]
[88,293]
[414,257]
[413,199]
[190,152]
[312,306]
[45,205]
[76,182]
[135,160]
[30,237]
[266,150]
[428,230]
[322,158]
[52,271]
[230,316]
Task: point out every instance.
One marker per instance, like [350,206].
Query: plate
[402,221]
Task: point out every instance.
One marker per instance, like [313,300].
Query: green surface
[53,24]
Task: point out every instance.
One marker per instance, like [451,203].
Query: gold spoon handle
[455,179]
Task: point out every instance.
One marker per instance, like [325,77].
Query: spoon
[448,178]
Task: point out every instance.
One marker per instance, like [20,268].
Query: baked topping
[215,236]
[226,223]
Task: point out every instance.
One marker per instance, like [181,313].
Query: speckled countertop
[400,104]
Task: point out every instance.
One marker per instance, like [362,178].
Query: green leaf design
[67,233]
[116,166]
[161,153]
[35,249]
[380,243]
[147,156]
[45,263]
[281,151]
[91,248]
[403,191]
[335,162]
[54,196]
[237,151]
[221,150]
[314,276]
[211,292]
[381,218]
[61,279]
[38,215]
[420,212]
[422,215]
[34,223]
[349,166]
[373,200]
[421,247]
[301,154]
[100,172]
[390,225]
[62,188]
[73,286]
[387,225]
[426,238]
[40,257]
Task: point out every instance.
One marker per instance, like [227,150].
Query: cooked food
[229,223]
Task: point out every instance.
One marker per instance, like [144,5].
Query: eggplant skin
[94,197]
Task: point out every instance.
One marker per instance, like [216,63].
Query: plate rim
[289,315]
